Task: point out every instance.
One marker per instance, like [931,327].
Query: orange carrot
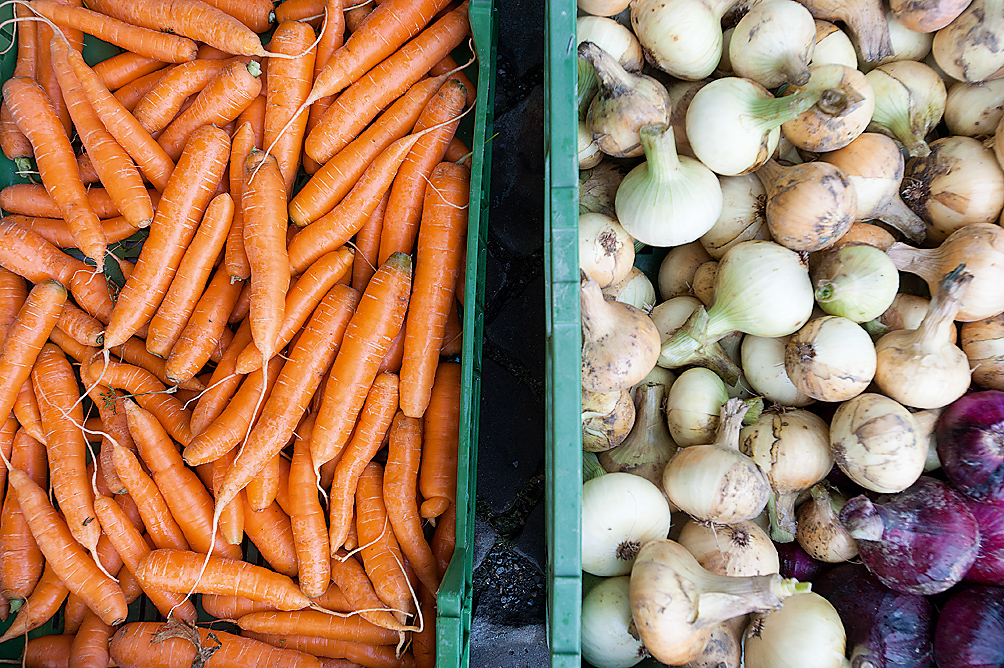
[151,394]
[40,606]
[259,15]
[355,15]
[89,648]
[130,95]
[231,607]
[289,81]
[453,332]
[57,233]
[318,624]
[448,64]
[134,352]
[32,199]
[48,651]
[458,151]
[438,476]
[361,654]
[27,413]
[123,69]
[7,430]
[236,258]
[163,102]
[299,10]
[350,577]
[80,326]
[13,142]
[332,38]
[423,643]
[444,539]
[310,533]
[271,532]
[113,429]
[21,562]
[161,526]
[263,488]
[232,514]
[223,383]
[27,254]
[368,245]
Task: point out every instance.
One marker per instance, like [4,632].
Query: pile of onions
[805,633]
[736,550]
[856,281]
[970,436]
[983,343]
[830,359]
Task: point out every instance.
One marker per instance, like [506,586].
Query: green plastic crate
[563,460]
[455,600]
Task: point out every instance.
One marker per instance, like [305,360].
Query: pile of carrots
[275,365]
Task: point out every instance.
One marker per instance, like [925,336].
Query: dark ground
[509,580]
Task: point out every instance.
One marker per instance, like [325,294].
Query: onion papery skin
[983,344]
[606,626]
[743,217]
[606,251]
[680,37]
[989,565]
[974,110]
[763,366]
[735,550]
[841,115]
[857,282]
[773,44]
[970,628]
[887,628]
[929,15]
[805,633]
[811,206]
[833,46]
[676,273]
[970,436]
[919,541]
[967,49]
[613,38]
[864,20]
[830,359]
[909,101]
[819,530]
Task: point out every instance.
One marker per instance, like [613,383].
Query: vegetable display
[188,374]
[819,220]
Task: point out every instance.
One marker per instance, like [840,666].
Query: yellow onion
[743,217]
[929,15]
[820,532]
[968,48]
[681,37]
[909,101]
[974,110]
[613,38]
[842,113]
[833,46]
[809,206]
[983,344]
[864,20]
[773,43]
[763,366]
[676,273]
[858,282]
[735,550]
[830,359]
[607,419]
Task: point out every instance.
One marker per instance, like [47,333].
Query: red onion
[970,438]
[796,563]
[919,541]
[970,630]
[885,629]
[989,565]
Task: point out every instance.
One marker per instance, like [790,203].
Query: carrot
[163,102]
[438,476]
[21,562]
[191,18]
[190,503]
[176,570]
[453,333]
[58,400]
[13,142]
[336,177]
[356,107]
[231,607]
[231,425]
[56,162]
[129,584]
[375,322]
[383,33]
[236,258]
[201,335]
[207,52]
[89,648]
[255,115]
[222,384]
[362,654]
[294,388]
[310,533]
[151,159]
[13,292]
[355,15]
[259,15]
[57,233]
[134,91]
[151,394]
[80,326]
[141,41]
[131,546]
[391,361]
[113,430]
[339,225]
[90,290]
[160,524]
[368,245]
[46,74]
[263,488]
[444,539]
[134,352]
[289,82]
[123,69]
[69,561]
[27,254]
[448,64]
[400,493]
[405,209]
[332,38]
[458,151]
[27,413]
[40,606]
[229,93]
[350,577]
[299,10]
[301,300]
[440,252]
[318,624]
[424,642]
[7,431]
[32,199]
[182,206]
[271,532]
[374,421]
[191,277]
[71,348]
[48,651]
[87,173]
[232,514]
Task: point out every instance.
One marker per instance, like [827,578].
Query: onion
[675,603]
[607,639]
[921,367]
[763,365]
[967,49]
[983,344]
[885,629]
[676,273]
[589,154]
[864,19]
[929,15]
[974,110]
[875,442]
[669,199]
[681,93]
[989,565]
[607,419]
[681,37]
[606,251]
[694,405]
[980,247]
[969,630]
[586,86]
[830,359]
[874,164]
[620,513]
[970,435]
[805,633]
[603,7]
[842,113]
[716,482]
[649,446]
[743,217]
[868,234]
[735,550]
[725,646]
[795,563]
[857,282]
[657,376]
[620,344]
[792,447]
[597,187]
[591,466]
[905,312]
[704,283]
[625,103]
[671,315]
[773,43]
[907,44]
[612,37]
[833,46]
[927,421]
[909,102]
[820,532]
[809,206]
[634,289]
[958,184]
[920,541]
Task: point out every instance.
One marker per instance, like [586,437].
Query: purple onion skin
[989,565]
[885,629]
[922,540]
[970,629]
[970,439]
[796,563]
